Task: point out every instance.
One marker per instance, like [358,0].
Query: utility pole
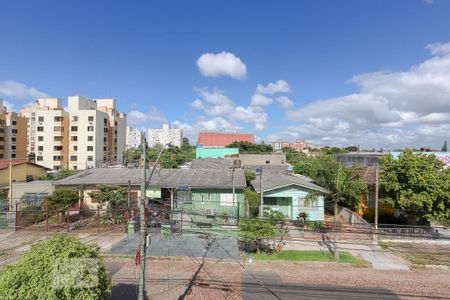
[336,250]
[261,201]
[142,221]
[376,197]
[10,193]
[234,190]
[129,194]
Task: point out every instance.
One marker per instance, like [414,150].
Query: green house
[205,197]
[210,152]
[287,194]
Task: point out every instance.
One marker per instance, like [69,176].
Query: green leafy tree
[418,184]
[247,147]
[344,187]
[132,155]
[114,196]
[274,216]
[62,199]
[57,268]
[63,173]
[252,200]
[444,147]
[256,231]
[249,175]
[31,157]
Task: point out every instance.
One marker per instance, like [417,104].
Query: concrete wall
[20,173]
[263,159]
[201,152]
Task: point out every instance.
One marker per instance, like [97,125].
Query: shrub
[60,267]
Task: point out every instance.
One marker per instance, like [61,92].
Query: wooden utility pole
[143,250]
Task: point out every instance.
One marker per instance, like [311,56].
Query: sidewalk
[380,259]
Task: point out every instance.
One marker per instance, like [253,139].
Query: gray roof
[212,163]
[167,178]
[271,181]
[270,168]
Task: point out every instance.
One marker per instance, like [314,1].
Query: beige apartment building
[90,133]
[13,134]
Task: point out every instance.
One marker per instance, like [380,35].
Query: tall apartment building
[222,139]
[298,145]
[134,138]
[88,134]
[13,134]
[97,133]
[165,136]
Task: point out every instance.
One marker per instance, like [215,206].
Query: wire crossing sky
[374,73]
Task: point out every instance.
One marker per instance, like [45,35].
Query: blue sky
[146,54]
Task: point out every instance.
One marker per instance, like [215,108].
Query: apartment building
[90,133]
[298,145]
[134,137]
[223,139]
[13,134]
[97,133]
[164,136]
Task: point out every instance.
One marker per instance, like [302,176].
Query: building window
[115,123]
[75,167]
[74,128]
[14,123]
[74,138]
[14,131]
[73,158]
[13,147]
[104,148]
[202,199]
[105,121]
[56,168]
[209,196]
[40,128]
[184,197]
[90,158]
[40,119]
[91,119]
[13,155]
[90,138]
[58,128]
[57,148]
[58,119]
[90,128]
[39,158]
[104,139]
[74,118]
[267,162]
[75,148]
[90,148]
[58,138]
[40,148]
[226,200]
[270,201]
[58,158]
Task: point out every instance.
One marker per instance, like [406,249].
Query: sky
[373,73]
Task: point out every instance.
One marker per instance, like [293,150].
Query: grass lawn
[420,253]
[310,255]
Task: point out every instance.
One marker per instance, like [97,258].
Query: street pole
[376,198]
[261,201]
[234,191]
[142,221]
[129,194]
[10,194]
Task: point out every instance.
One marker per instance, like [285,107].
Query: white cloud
[261,100]
[280,86]
[221,64]
[197,103]
[19,90]
[285,102]
[391,108]
[136,117]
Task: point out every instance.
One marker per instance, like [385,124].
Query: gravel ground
[169,279]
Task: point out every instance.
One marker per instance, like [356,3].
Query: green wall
[201,152]
[290,201]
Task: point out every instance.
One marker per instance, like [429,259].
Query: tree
[249,175]
[444,147]
[31,157]
[327,172]
[114,196]
[131,155]
[60,267]
[252,200]
[62,199]
[63,173]
[247,147]
[185,144]
[418,184]
[256,231]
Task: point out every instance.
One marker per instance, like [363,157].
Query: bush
[60,267]
[302,219]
